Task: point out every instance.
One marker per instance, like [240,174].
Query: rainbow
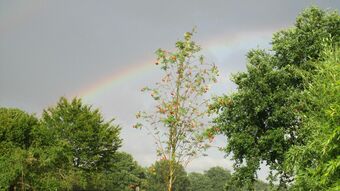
[218,48]
[117,77]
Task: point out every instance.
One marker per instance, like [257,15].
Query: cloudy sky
[103,51]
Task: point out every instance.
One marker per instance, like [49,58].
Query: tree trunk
[170,183]
[171,177]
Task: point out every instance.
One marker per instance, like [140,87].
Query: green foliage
[305,41]
[258,186]
[26,163]
[317,163]
[88,141]
[199,182]
[262,120]
[91,141]
[213,179]
[158,174]
[16,129]
[123,174]
[219,179]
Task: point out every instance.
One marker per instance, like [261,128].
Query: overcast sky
[50,49]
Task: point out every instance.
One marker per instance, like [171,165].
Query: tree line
[284,114]
[71,147]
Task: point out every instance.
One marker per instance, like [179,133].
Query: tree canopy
[91,141]
[263,118]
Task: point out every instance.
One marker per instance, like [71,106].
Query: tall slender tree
[178,118]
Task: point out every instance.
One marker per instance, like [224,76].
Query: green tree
[158,176]
[92,141]
[124,174]
[317,163]
[199,182]
[178,117]
[16,129]
[214,179]
[262,119]
[89,142]
[26,162]
[218,177]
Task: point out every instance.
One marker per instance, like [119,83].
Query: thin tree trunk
[170,181]
[171,161]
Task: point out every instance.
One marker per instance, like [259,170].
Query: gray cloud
[50,49]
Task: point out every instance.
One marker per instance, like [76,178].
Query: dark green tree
[124,174]
[262,119]
[199,182]
[214,179]
[218,177]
